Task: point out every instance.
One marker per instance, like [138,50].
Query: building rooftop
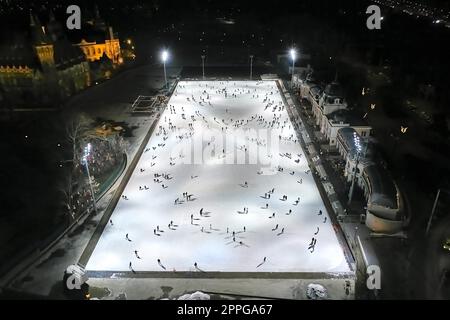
[346,116]
[334,89]
[383,189]
[316,90]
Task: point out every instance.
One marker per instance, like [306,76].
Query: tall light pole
[357,141]
[293,56]
[251,66]
[203,66]
[164,57]
[352,186]
[85,161]
[434,209]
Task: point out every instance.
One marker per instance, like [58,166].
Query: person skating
[161,265]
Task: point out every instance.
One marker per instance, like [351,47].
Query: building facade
[385,209]
[99,41]
[45,67]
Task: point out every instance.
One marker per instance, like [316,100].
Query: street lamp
[85,161]
[164,57]
[251,66]
[203,65]
[359,151]
[293,55]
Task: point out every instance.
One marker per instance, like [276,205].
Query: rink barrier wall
[218,275]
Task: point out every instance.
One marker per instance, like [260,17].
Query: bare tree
[76,130]
[67,189]
[118,144]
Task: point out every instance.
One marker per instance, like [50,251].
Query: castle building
[44,67]
[51,64]
[99,40]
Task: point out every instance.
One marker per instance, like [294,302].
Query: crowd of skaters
[187,132]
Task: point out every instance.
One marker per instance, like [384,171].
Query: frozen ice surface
[219,188]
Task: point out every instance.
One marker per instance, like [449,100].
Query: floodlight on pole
[85,162]
[164,57]
[293,55]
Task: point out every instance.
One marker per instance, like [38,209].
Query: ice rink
[213,137]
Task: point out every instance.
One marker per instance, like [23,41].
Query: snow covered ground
[213,137]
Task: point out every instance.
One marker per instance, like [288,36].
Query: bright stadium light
[85,161]
[293,54]
[164,57]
